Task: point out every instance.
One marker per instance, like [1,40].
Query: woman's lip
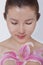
[21,37]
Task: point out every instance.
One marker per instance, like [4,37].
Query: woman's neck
[13,41]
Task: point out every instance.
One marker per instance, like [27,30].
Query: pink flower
[24,52]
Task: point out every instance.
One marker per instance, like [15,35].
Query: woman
[21,17]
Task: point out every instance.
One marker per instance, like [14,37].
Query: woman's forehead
[21,12]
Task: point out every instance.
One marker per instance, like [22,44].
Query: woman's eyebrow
[29,19]
[24,20]
[13,19]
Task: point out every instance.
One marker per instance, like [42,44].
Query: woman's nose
[21,29]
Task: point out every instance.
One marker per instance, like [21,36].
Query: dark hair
[21,3]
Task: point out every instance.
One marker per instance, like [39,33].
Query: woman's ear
[4,14]
[38,16]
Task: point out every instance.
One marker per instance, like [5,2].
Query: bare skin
[32,63]
[5,46]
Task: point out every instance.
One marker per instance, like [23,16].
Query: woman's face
[21,23]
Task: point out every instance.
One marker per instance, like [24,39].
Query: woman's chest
[22,57]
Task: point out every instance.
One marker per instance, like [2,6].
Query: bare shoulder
[38,44]
[1,49]
[3,46]
[4,42]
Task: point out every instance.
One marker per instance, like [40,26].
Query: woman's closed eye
[14,23]
[29,23]
[25,23]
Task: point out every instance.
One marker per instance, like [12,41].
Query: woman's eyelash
[14,23]
[29,23]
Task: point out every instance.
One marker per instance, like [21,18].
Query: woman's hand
[32,63]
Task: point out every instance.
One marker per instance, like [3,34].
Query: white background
[4,33]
